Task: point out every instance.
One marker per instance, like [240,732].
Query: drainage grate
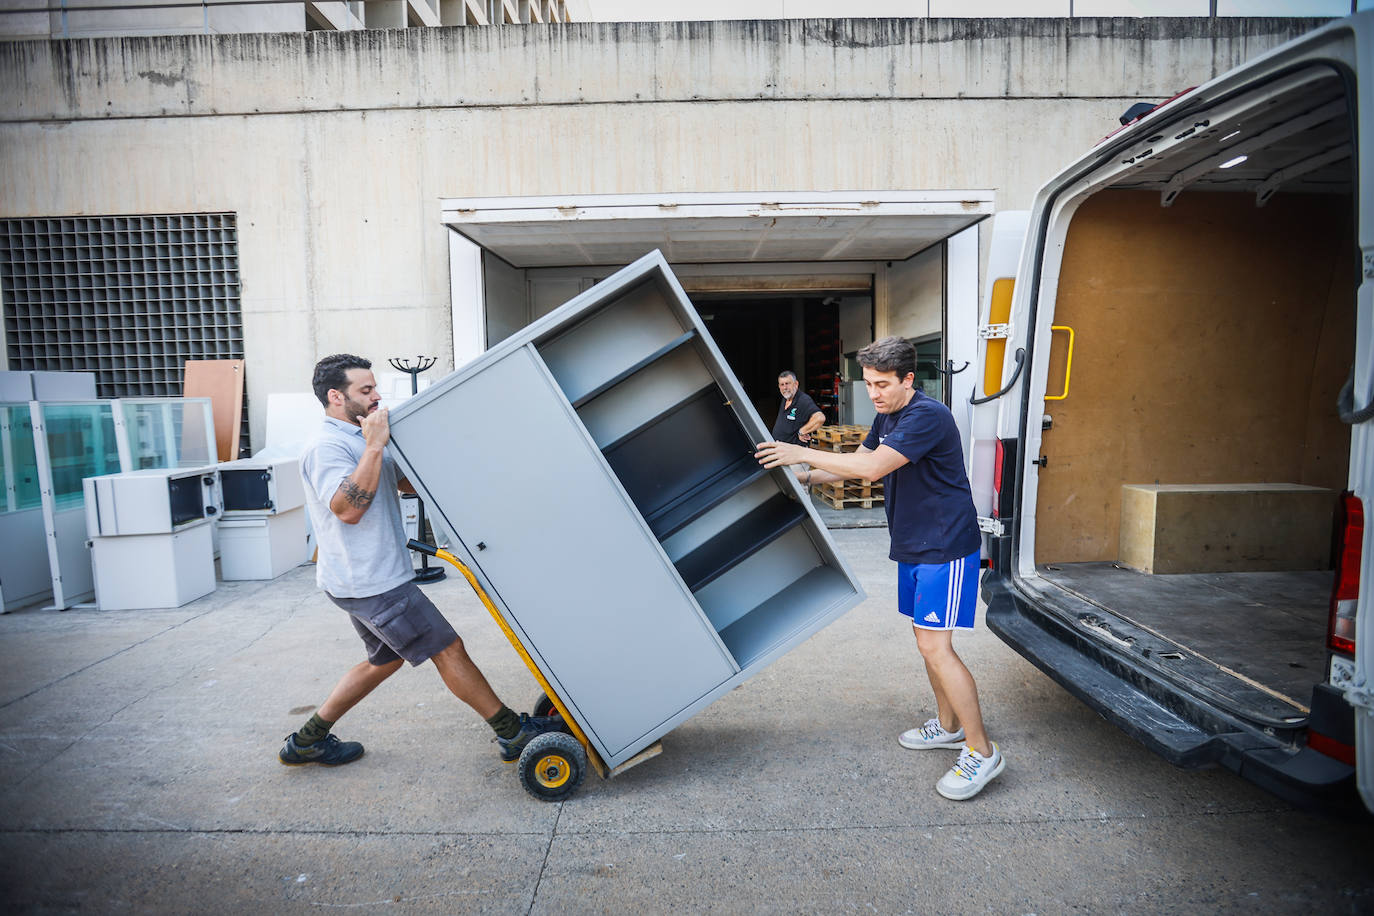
[130,298]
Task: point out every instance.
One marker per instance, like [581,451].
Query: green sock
[313,731]
[505,723]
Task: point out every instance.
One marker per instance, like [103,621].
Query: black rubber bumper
[1179,727]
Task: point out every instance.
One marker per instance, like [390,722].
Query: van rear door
[1361,693]
[1001,349]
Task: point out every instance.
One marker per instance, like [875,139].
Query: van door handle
[1068,362]
[1020,363]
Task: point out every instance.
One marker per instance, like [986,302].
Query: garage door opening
[761,337]
[795,281]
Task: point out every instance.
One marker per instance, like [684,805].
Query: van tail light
[999,456]
[1340,630]
[1341,751]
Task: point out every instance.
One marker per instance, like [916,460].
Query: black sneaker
[530,727]
[330,752]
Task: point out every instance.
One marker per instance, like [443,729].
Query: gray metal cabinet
[597,472]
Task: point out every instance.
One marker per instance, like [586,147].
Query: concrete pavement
[138,774]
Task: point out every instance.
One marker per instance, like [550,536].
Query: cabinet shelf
[794,608]
[702,498]
[625,438]
[739,541]
[678,451]
[641,364]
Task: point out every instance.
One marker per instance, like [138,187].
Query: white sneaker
[970,774]
[932,734]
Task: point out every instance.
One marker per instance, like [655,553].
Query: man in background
[799,416]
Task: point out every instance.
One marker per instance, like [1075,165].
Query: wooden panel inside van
[1212,340]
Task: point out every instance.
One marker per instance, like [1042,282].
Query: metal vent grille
[130,298]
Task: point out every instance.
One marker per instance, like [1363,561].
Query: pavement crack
[553,833]
[86,734]
[253,831]
[994,822]
[276,622]
[100,661]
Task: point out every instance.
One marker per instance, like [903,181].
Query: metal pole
[425,573]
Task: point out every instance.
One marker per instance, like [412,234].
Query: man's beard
[356,410]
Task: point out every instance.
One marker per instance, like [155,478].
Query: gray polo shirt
[362,560]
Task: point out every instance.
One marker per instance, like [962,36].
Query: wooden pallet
[851,487]
[848,502]
[839,438]
[864,494]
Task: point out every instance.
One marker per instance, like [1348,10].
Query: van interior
[1193,474]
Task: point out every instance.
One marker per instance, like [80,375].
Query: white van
[1172,450]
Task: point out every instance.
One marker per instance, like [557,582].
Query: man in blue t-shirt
[914,447]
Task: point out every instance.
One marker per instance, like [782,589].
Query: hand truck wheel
[544,706]
[552,766]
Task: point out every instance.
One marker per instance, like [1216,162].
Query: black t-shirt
[791,419]
[930,513]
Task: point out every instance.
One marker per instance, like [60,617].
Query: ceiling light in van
[1234,133]
[1230,162]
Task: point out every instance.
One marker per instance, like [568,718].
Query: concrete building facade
[398,192]
[22,19]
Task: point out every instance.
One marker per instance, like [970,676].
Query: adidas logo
[932,617]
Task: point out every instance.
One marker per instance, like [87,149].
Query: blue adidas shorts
[939,596]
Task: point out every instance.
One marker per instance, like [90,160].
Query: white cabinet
[150,502]
[255,487]
[153,570]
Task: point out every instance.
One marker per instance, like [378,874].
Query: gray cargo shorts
[400,623]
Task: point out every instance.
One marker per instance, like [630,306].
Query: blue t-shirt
[930,514]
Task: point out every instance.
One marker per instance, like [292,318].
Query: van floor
[1268,627]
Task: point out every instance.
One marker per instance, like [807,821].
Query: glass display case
[73,440]
[165,433]
[24,561]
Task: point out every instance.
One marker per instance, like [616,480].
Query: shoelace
[932,729]
[968,764]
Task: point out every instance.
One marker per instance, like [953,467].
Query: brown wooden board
[1212,339]
[220,380]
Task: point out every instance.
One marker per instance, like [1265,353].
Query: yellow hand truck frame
[552,765]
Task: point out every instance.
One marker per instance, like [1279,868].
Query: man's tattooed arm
[356,495]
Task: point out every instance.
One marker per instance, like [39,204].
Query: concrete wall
[334,148]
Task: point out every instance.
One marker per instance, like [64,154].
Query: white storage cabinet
[261,547]
[597,472]
[153,570]
[256,486]
[262,531]
[152,536]
[155,501]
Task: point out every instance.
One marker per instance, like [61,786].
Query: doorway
[763,335]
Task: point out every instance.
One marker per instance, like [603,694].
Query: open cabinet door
[999,364]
